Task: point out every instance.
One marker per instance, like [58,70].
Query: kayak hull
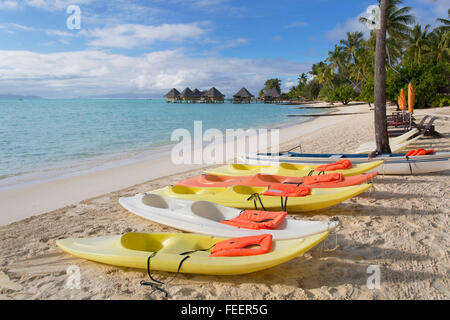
[133,249]
[288,169]
[395,147]
[261,180]
[394,164]
[204,218]
[397,140]
[241,197]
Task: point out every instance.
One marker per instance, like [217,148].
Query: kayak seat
[239,167]
[141,242]
[288,166]
[207,210]
[245,190]
[155,201]
[182,190]
[212,178]
[268,178]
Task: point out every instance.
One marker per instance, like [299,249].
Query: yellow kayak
[288,169]
[133,249]
[238,197]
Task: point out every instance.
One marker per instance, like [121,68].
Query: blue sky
[154,45]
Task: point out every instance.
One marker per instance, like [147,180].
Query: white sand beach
[401,226]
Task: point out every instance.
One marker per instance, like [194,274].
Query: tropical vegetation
[415,53]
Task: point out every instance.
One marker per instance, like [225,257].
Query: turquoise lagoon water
[42,137]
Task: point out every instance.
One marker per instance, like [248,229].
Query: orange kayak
[264,180]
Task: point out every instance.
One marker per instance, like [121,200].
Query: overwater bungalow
[213,96]
[243,96]
[172,95]
[187,95]
[272,95]
[197,94]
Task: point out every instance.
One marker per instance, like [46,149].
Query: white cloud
[131,35]
[54,5]
[351,25]
[289,84]
[15,26]
[21,27]
[81,73]
[59,33]
[49,5]
[9,4]
[438,9]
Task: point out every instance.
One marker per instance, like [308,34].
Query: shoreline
[51,193]
[72,168]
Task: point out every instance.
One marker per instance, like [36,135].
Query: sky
[148,47]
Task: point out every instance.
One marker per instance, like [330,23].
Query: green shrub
[426,78]
[343,94]
[367,94]
[440,101]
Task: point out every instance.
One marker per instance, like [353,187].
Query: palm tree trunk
[359,71]
[392,67]
[381,134]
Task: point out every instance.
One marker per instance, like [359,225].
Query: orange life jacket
[287,190]
[419,152]
[240,246]
[338,165]
[331,177]
[253,219]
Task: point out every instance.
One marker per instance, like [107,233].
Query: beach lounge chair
[424,129]
[400,119]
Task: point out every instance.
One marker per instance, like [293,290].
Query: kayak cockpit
[156,201]
[208,210]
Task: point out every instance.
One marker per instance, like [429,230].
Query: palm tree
[352,46]
[325,74]
[445,22]
[399,20]
[398,30]
[381,135]
[302,79]
[337,58]
[339,61]
[417,42]
[438,45]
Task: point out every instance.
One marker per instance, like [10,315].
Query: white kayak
[394,163]
[397,140]
[395,147]
[203,217]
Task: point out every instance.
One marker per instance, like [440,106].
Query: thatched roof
[243,93]
[272,93]
[197,93]
[214,93]
[172,93]
[187,93]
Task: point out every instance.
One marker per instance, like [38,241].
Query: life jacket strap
[298,184]
[192,251]
[156,283]
[255,196]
